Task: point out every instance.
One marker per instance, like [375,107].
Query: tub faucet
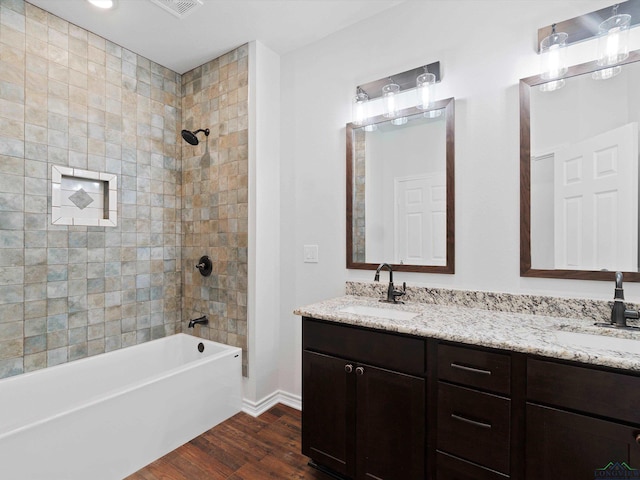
[203,320]
[392,293]
[619,312]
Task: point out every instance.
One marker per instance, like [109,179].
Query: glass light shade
[389,93]
[102,3]
[552,86]
[606,73]
[360,110]
[372,127]
[432,114]
[613,40]
[425,86]
[553,56]
[399,121]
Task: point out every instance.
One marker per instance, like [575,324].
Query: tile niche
[82,197]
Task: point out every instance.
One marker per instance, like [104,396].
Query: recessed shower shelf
[83,197]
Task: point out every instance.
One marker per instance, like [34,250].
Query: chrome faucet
[619,312]
[392,293]
[203,320]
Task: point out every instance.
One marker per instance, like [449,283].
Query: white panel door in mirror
[420,220]
[596,202]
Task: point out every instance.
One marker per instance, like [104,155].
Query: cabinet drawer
[474,426]
[475,368]
[452,468]
[608,394]
[381,349]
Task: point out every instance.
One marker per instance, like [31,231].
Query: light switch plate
[311,254]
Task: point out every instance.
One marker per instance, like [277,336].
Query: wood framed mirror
[579,173]
[400,191]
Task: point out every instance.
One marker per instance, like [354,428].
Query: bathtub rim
[227,352]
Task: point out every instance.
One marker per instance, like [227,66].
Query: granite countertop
[533,334]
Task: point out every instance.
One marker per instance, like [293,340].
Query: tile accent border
[110,182]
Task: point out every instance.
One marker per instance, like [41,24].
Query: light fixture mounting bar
[586,26]
[406,80]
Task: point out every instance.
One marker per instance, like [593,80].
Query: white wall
[484,48]
[263,310]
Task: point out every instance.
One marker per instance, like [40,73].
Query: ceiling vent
[179,8]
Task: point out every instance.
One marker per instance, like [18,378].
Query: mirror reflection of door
[581,143]
[420,220]
[586,203]
[404,154]
[596,202]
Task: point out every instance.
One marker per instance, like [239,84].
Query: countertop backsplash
[580,308]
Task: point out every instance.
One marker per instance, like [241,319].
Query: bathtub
[105,417]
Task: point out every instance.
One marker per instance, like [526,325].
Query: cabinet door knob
[638,438]
[359,371]
[348,368]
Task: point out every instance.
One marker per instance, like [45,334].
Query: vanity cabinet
[363,412]
[380,405]
[579,419]
[473,413]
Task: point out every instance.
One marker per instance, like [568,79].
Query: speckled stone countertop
[533,334]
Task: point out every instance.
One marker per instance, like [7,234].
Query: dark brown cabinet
[579,421]
[360,420]
[473,412]
[328,414]
[570,446]
[385,406]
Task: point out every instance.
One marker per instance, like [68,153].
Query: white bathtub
[105,417]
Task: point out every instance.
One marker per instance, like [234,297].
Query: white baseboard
[256,409]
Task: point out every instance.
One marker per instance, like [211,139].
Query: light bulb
[425,85]
[389,93]
[613,45]
[360,102]
[553,55]
[105,4]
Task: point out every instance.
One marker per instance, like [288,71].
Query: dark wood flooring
[242,448]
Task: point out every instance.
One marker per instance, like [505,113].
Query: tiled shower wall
[71,98]
[215,208]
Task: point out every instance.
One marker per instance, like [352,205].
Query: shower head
[190,137]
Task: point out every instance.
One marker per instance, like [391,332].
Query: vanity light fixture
[611,30]
[553,59]
[389,96]
[104,4]
[425,86]
[360,103]
[389,93]
[613,44]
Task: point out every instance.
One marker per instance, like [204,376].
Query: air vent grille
[179,8]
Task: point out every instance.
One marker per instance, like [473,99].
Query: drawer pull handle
[348,368]
[470,369]
[472,422]
[359,371]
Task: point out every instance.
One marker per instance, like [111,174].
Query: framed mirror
[400,191]
[579,173]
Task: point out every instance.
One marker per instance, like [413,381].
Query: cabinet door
[328,420]
[390,425]
[568,446]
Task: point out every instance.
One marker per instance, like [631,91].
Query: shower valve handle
[205,266]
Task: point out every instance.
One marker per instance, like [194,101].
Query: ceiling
[216,27]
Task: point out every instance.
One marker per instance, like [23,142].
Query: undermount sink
[599,341]
[388,313]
